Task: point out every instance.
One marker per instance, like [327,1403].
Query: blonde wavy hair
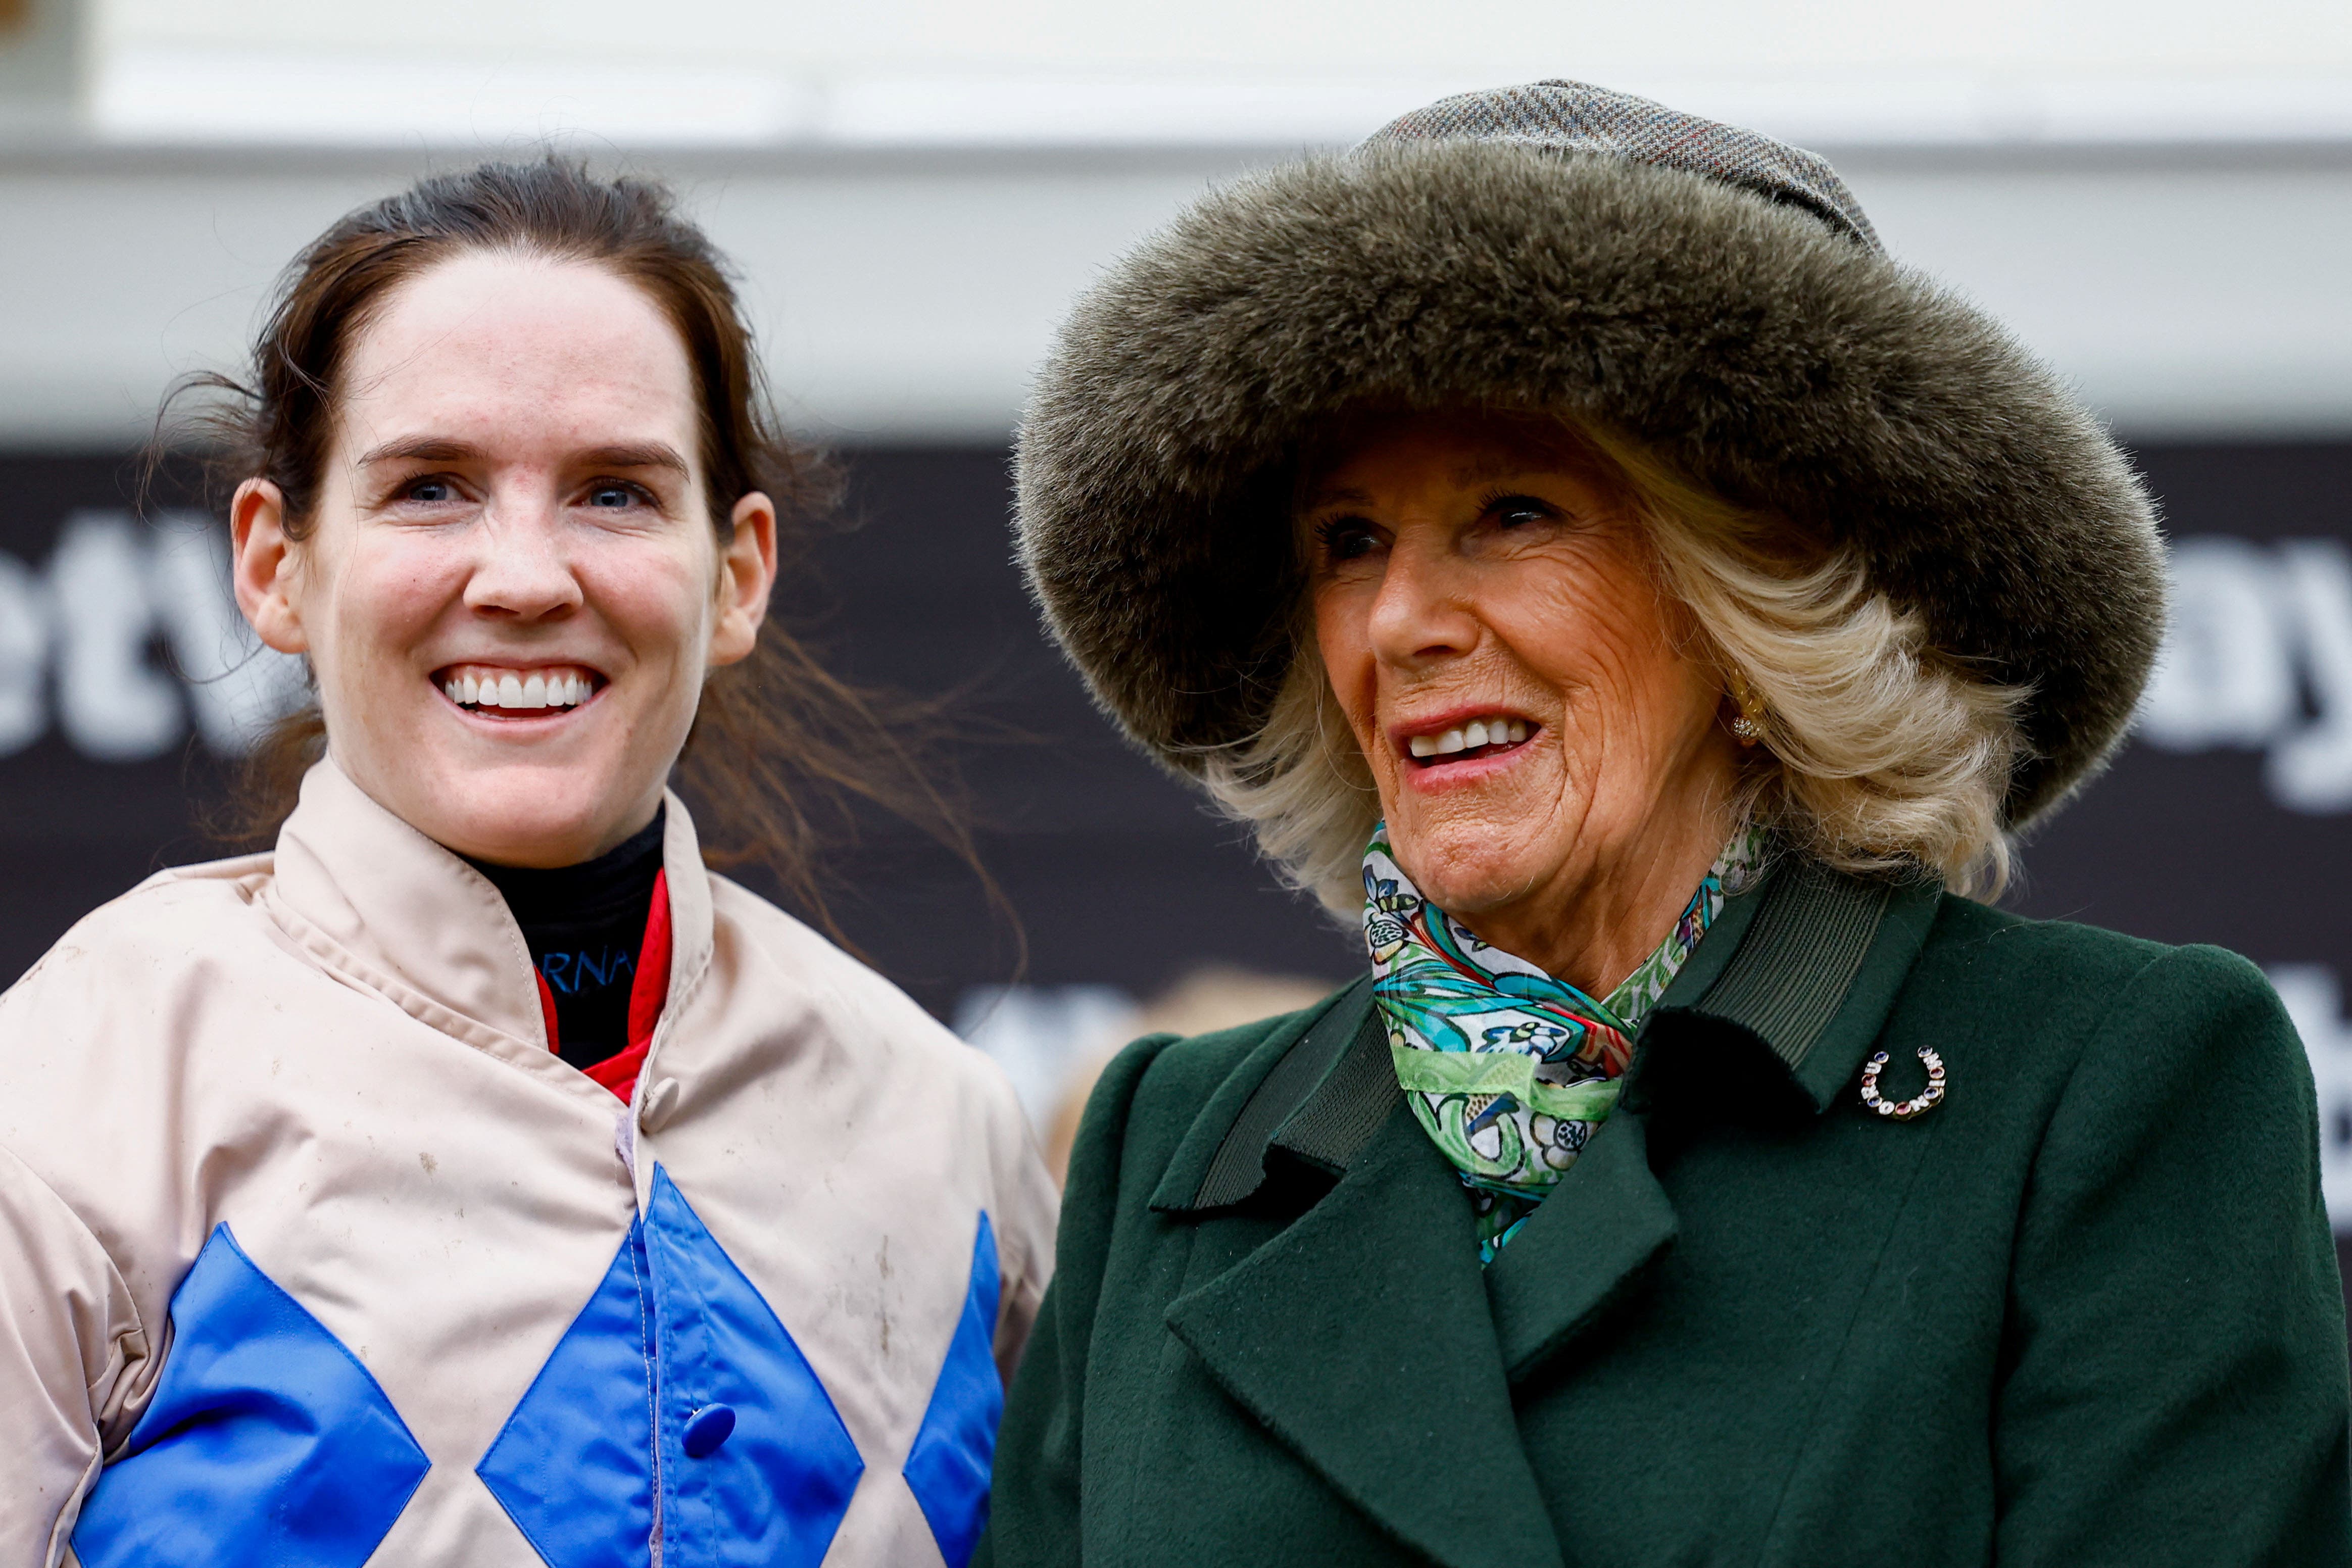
[1882,755]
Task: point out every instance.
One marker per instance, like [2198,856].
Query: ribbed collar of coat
[374,899]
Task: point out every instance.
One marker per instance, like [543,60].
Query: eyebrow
[1478,471]
[656,455]
[443,449]
[418,449]
[1485,469]
[1320,498]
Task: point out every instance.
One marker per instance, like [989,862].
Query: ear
[747,571]
[261,566]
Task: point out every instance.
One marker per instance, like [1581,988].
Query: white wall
[2156,193]
[910,295]
[1300,39]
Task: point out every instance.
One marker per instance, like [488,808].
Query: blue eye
[612,496]
[1346,539]
[432,491]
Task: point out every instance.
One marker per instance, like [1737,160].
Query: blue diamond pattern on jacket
[774,1490]
[948,1467]
[266,1441]
[573,1465]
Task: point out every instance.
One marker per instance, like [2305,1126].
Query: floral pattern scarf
[1508,1070]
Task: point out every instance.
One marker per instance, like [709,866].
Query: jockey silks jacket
[312,1252]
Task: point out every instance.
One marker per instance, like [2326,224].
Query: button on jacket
[2085,1310]
[313,1253]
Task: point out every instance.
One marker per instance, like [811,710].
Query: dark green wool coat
[2084,1312]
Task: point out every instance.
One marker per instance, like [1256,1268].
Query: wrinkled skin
[1463,566]
[515,484]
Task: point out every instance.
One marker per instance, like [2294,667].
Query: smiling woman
[484,1179]
[1646,612]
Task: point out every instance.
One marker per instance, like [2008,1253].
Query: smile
[1485,737]
[503,690]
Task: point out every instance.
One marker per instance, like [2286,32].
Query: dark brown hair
[781,751]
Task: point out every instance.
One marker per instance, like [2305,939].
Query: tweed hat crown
[1561,116]
[1711,293]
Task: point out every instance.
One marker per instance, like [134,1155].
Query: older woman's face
[513,590]
[1519,681]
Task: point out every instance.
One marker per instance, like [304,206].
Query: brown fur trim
[1762,354]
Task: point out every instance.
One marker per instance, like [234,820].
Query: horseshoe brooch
[1905,1109]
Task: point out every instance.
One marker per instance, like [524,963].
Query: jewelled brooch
[1904,1109]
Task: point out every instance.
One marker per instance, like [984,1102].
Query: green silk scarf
[1508,1071]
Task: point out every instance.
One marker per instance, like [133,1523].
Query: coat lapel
[1583,1249]
[1360,1337]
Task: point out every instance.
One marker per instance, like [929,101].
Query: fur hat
[1708,292]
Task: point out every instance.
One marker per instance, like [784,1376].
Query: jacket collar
[1771,1017]
[1784,996]
[378,901]
[1778,1005]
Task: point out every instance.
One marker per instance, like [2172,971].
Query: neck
[1593,932]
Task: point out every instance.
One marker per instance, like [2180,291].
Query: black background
[1117,874]
[1112,872]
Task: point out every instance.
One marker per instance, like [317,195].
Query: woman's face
[512,590]
[1523,690]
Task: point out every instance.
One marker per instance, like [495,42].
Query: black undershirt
[585,925]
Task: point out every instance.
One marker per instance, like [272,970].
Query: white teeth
[1469,736]
[562,689]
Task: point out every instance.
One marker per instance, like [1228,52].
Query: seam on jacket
[69,1508]
[1082,1346]
[342,964]
[2102,1020]
[70,1512]
[1152,1437]
[332,955]
[1810,1425]
[114,1351]
[665,1028]
[646,1330]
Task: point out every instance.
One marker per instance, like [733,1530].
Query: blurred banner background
[2156,195]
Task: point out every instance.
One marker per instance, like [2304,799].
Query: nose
[1423,612]
[520,573]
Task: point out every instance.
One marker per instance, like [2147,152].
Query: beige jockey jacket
[313,1253]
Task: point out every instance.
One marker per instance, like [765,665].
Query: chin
[509,832]
[1463,869]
